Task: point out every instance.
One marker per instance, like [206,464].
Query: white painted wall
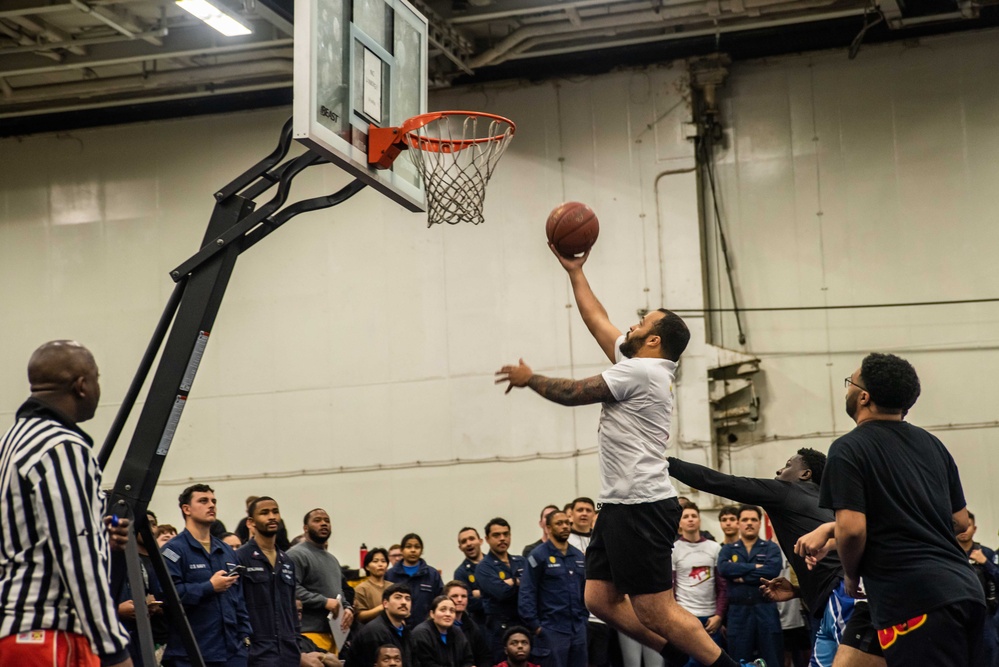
[356,337]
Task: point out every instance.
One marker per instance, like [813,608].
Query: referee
[55,601]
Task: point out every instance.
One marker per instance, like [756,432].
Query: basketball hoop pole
[201,281]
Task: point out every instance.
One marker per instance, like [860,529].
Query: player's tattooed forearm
[572,392]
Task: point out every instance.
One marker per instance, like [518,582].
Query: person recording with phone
[206,573]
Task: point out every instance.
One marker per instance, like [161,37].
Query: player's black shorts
[859,632]
[632,545]
[950,636]
[797,639]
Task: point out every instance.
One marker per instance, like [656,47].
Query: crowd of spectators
[495,604]
[270,600]
[264,600]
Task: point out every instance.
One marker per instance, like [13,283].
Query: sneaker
[759,662]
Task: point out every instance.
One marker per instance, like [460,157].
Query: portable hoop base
[455,153]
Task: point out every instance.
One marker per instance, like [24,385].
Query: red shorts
[47,648]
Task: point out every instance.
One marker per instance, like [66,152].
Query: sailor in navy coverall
[270,601]
[499,582]
[219,620]
[551,598]
[753,623]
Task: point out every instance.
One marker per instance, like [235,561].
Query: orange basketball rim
[455,153]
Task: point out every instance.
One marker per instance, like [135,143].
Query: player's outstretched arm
[558,390]
[592,311]
[752,490]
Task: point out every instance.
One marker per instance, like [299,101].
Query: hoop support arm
[182,333]
[261,231]
[260,169]
[210,248]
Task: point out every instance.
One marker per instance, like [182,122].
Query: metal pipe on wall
[563,27]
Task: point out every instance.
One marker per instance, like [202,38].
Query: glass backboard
[357,63]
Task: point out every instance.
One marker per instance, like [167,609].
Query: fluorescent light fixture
[214,16]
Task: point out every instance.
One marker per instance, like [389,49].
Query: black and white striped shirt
[54,555]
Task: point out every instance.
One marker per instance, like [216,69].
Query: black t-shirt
[793,508]
[906,483]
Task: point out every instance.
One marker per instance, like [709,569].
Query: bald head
[57,363]
[63,374]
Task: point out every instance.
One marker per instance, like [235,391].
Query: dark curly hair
[816,462]
[673,332]
[891,381]
[517,630]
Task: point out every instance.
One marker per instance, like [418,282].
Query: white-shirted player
[628,566]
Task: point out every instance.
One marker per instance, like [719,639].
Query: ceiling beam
[244,72]
[55,107]
[180,43]
[272,17]
[24,40]
[85,41]
[686,34]
[518,8]
[53,34]
[119,20]
[37,7]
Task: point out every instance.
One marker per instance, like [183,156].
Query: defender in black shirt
[791,500]
[792,503]
[898,498]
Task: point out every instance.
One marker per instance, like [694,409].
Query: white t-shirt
[634,431]
[695,565]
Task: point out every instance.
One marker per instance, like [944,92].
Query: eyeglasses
[848,381]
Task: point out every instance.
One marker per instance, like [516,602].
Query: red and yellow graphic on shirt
[700,574]
[888,636]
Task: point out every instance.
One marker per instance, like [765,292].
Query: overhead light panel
[215,17]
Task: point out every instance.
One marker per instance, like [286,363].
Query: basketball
[572,228]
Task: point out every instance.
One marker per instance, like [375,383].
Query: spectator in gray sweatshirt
[319,582]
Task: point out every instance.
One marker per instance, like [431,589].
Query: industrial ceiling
[77,63]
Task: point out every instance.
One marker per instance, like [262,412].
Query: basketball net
[456,153]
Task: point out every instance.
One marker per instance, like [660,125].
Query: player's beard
[630,345]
